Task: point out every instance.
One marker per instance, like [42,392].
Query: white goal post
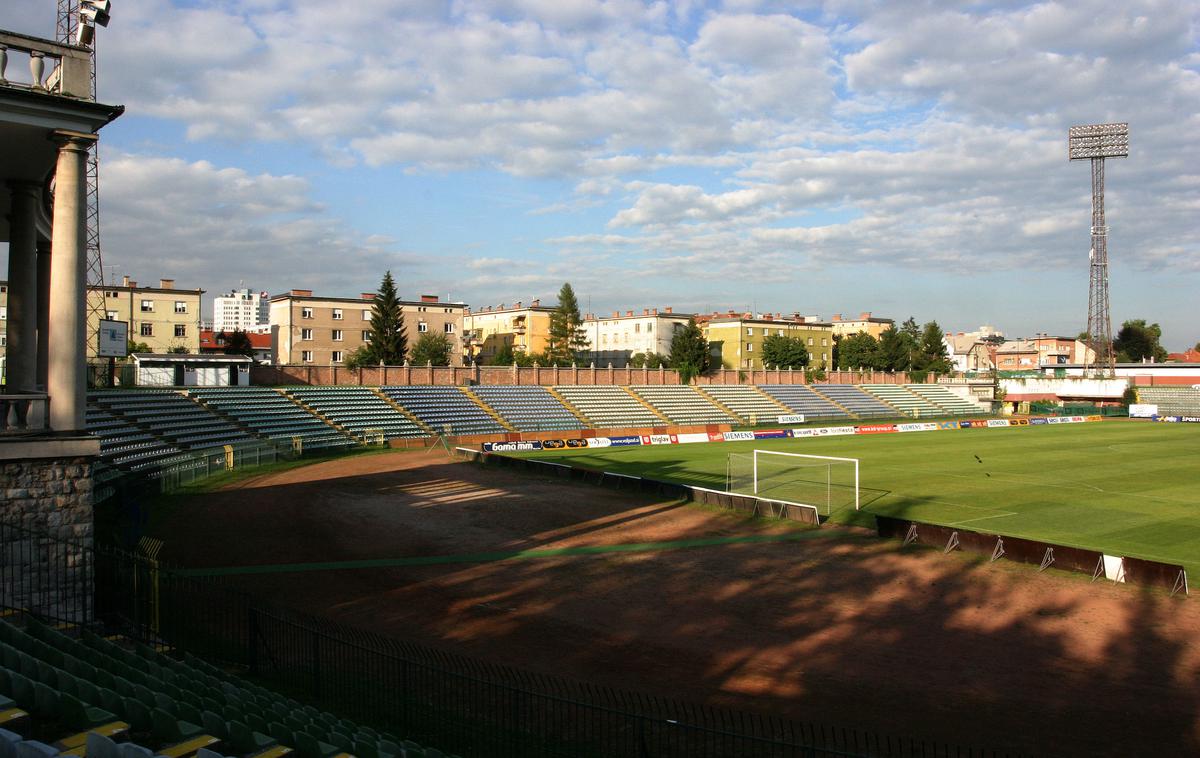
[824,482]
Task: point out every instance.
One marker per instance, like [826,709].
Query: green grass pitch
[1126,488]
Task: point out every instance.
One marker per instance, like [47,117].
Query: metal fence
[458,704]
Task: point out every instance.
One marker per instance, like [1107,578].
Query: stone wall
[46,522]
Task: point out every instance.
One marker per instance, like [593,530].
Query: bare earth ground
[843,629]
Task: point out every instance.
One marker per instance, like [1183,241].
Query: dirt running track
[842,629]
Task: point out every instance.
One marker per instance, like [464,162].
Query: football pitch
[1126,488]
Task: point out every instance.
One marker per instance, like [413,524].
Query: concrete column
[67,379]
[43,311]
[22,287]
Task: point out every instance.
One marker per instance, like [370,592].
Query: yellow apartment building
[308,329]
[162,317]
[736,340]
[524,328]
[872,325]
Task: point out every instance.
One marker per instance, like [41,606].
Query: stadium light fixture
[92,13]
[1098,141]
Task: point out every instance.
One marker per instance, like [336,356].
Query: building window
[4,313]
[824,343]
[366,335]
[337,335]
[180,306]
[306,313]
[649,328]
[749,347]
[810,341]
[147,329]
[637,328]
[337,314]
[366,315]
[113,294]
[306,356]
[147,306]
[336,357]
[422,327]
[306,334]
[110,315]
[749,331]
[180,330]
[448,328]
[779,332]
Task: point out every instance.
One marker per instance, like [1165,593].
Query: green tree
[359,358]
[779,351]
[504,355]
[177,349]
[648,360]
[236,343]
[689,352]
[931,351]
[859,351]
[895,350]
[432,348]
[388,341]
[1137,341]
[911,334]
[567,337]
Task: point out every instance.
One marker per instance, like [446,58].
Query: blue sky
[901,158]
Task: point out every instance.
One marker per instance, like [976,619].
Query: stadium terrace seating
[908,403]
[528,408]
[949,403]
[1172,401]
[358,409]
[92,694]
[855,400]
[608,407]
[271,415]
[683,404]
[444,409]
[801,399]
[746,401]
[175,417]
[126,446]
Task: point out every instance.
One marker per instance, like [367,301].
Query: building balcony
[54,68]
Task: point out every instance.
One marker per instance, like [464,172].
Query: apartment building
[523,328]
[1027,354]
[325,330]
[242,311]
[163,317]
[973,351]
[872,325]
[617,338]
[736,339]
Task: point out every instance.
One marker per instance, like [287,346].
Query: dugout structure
[823,482]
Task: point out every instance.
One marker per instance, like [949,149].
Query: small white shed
[191,370]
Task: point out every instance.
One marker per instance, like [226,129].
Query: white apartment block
[617,338]
[242,311]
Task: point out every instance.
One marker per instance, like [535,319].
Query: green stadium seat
[169,730]
[308,746]
[138,715]
[246,741]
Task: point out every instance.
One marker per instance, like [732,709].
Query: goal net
[823,482]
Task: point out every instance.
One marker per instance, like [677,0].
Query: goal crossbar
[801,460]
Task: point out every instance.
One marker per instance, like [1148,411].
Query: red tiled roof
[258,340]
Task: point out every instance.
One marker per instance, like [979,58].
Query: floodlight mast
[1095,142]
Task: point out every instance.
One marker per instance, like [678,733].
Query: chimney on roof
[654,311]
[645,311]
[536,303]
[836,317]
[669,308]
[616,314]
[864,315]
[768,317]
[429,298]
[628,313]
[166,284]
[368,295]
[125,281]
[302,293]
[517,304]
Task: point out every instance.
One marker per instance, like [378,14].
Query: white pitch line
[982,518]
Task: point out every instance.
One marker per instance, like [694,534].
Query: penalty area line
[507,555]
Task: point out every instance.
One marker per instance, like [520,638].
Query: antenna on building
[1096,142]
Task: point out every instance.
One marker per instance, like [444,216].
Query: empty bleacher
[855,400]
[908,403]
[948,402]
[746,401]
[445,410]
[528,408]
[683,404]
[608,407]
[88,695]
[173,417]
[272,415]
[801,399]
[125,445]
[358,409]
[1172,401]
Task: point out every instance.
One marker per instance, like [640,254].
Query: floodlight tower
[1096,142]
[76,25]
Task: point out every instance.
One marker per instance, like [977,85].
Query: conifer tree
[389,342]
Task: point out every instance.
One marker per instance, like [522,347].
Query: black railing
[461,705]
